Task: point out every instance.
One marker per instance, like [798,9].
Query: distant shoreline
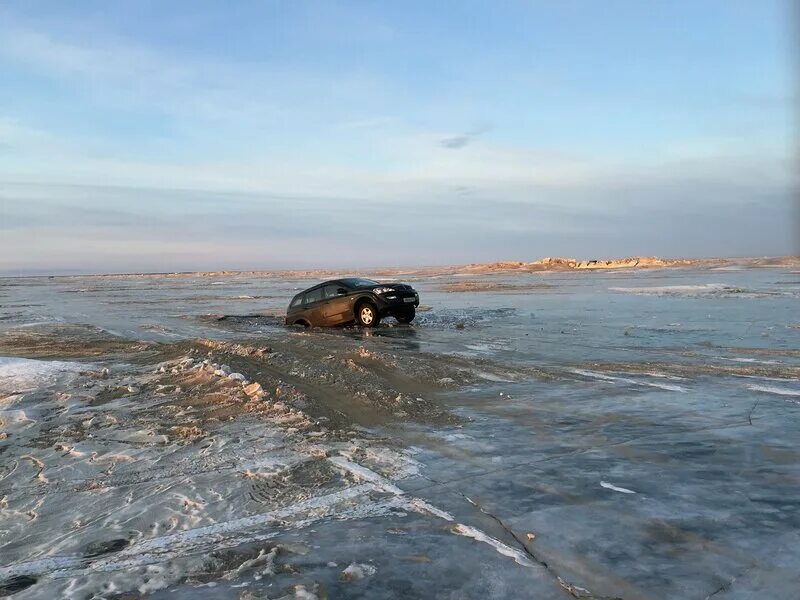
[537,266]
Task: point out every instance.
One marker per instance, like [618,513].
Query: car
[352,300]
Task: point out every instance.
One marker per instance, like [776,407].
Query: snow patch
[662,386]
[611,486]
[773,389]
[356,571]
[519,557]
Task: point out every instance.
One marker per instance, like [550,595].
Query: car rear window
[313,296]
[330,291]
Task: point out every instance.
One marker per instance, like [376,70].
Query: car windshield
[358,282]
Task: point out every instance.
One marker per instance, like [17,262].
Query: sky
[142,135]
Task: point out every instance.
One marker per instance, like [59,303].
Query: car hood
[400,287]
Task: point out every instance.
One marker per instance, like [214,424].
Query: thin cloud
[118,73]
[463,140]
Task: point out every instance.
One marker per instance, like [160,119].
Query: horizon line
[377,269]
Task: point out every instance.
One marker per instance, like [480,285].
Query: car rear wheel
[405,315]
[367,315]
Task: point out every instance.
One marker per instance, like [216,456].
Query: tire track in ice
[217,536]
[154,474]
[351,502]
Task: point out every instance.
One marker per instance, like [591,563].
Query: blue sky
[208,135]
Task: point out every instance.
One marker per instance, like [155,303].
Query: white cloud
[415,168]
[86,59]
[121,74]
[15,136]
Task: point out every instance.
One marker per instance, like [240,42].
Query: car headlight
[383,290]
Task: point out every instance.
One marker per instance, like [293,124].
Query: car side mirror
[341,292]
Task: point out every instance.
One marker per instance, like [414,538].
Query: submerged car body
[352,299]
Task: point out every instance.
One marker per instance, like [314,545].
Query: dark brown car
[352,300]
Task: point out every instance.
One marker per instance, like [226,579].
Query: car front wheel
[367,315]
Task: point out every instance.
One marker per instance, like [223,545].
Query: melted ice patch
[26,375]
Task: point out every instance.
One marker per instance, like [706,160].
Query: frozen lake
[625,434]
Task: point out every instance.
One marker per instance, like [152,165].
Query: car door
[337,304]
[312,306]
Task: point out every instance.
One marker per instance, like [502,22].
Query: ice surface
[626,435]
[23,375]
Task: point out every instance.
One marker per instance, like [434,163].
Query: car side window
[331,291]
[313,296]
[297,301]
